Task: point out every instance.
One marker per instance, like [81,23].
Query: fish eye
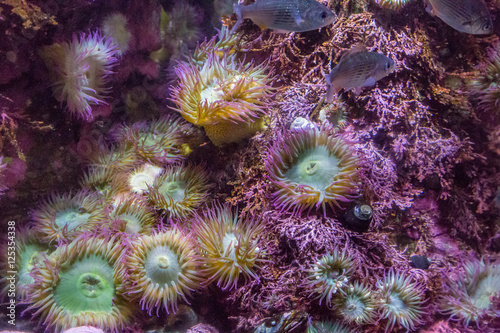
[324,14]
[486,26]
[388,65]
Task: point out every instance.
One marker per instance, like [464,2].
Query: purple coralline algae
[214,178]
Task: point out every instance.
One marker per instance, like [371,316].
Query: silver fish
[469,16]
[356,69]
[286,15]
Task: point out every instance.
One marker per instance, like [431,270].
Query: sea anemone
[486,84]
[312,168]
[392,4]
[355,304]
[81,284]
[163,141]
[330,274]
[180,190]
[141,178]
[103,180]
[179,29]
[62,218]
[25,253]
[116,159]
[468,296]
[162,269]
[223,43]
[400,301]
[228,247]
[224,96]
[81,70]
[115,26]
[131,216]
[328,327]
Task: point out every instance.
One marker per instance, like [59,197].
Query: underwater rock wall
[204,167]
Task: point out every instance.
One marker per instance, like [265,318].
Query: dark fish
[356,69]
[469,16]
[286,15]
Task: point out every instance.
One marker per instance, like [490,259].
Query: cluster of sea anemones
[228,246]
[312,168]
[224,95]
[81,69]
[470,290]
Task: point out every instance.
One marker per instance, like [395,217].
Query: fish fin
[369,81]
[355,49]
[331,89]
[296,16]
[279,31]
[428,8]
[357,90]
[327,79]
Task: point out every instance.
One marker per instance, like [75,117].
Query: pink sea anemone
[82,68]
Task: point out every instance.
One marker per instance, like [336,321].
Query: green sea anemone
[486,84]
[228,246]
[312,168]
[103,180]
[162,269]
[400,301]
[113,158]
[63,217]
[25,253]
[180,190]
[330,274]
[468,295]
[81,284]
[163,141]
[226,97]
[131,216]
[179,30]
[356,304]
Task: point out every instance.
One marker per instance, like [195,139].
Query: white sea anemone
[82,68]
[115,26]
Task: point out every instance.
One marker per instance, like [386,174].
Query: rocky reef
[161,171]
